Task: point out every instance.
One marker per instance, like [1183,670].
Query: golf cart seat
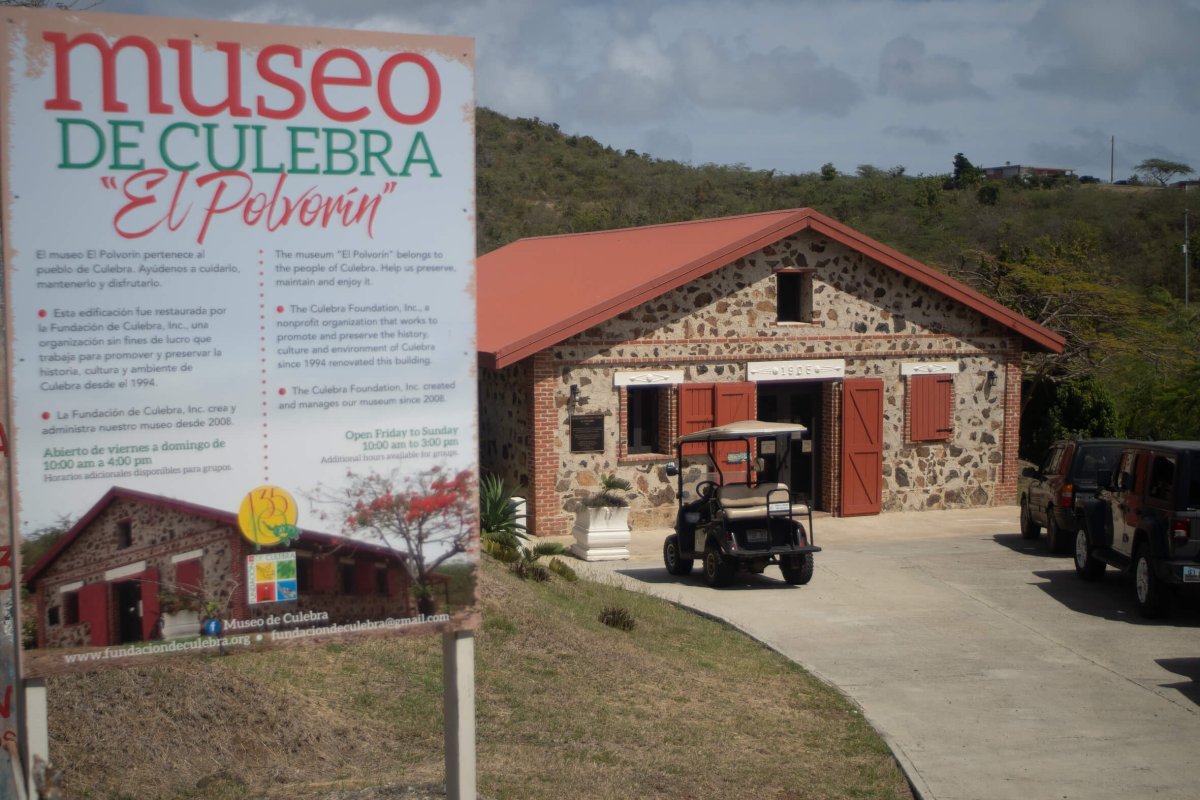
[740,502]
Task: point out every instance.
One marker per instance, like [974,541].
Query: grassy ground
[679,707]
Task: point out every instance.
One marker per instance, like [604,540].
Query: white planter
[180,623]
[601,534]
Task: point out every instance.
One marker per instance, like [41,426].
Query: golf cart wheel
[797,570]
[676,564]
[718,570]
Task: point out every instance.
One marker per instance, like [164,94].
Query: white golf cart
[734,513]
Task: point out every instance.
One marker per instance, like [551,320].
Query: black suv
[1061,484]
[1146,521]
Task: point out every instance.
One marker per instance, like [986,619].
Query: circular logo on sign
[268,516]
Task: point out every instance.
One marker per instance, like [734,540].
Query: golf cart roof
[746,429]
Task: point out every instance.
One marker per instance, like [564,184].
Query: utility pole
[1186,257]
[1112,153]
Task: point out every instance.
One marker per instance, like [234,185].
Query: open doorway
[798,401]
[129,611]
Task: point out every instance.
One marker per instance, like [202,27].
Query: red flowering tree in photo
[428,516]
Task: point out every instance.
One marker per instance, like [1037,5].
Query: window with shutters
[931,407]
[794,295]
[647,429]
[70,602]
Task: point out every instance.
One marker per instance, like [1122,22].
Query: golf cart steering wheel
[707,489]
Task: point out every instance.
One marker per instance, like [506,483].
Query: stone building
[104,581]
[596,350]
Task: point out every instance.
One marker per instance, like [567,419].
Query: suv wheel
[797,570]
[1087,566]
[1151,594]
[718,570]
[1029,529]
[1056,540]
[676,564]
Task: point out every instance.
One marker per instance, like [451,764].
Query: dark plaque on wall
[587,434]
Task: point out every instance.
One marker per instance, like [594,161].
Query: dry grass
[679,707]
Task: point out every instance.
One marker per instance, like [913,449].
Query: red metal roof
[537,292]
[191,509]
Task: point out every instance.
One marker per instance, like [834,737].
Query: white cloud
[1107,49]
[791,84]
[921,134]
[781,80]
[905,70]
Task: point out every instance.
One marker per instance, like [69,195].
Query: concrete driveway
[989,667]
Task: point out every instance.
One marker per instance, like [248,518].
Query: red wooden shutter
[394,581]
[734,403]
[93,609]
[324,574]
[930,407]
[697,411]
[189,575]
[862,447]
[364,578]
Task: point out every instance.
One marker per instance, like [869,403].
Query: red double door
[705,405]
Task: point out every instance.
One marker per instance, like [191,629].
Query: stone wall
[867,314]
[505,423]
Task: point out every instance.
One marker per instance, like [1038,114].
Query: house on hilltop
[597,350]
[105,580]
[1026,171]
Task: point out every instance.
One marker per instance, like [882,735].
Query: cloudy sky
[792,84]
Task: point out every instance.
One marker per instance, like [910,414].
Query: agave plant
[500,529]
[505,537]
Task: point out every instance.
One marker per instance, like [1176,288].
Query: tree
[36,544]
[1161,170]
[965,173]
[428,517]
[1080,406]
[828,171]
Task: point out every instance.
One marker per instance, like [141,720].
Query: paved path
[990,668]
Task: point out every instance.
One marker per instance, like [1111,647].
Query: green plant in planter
[607,497]
[172,602]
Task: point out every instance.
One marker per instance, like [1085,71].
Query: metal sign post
[458,686]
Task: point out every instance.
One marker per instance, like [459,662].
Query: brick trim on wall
[831,447]
[1006,486]
[543,505]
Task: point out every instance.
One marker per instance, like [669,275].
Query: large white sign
[239,265]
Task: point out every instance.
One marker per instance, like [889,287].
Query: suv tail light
[1066,496]
[1181,529]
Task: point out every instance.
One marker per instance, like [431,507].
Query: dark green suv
[1146,521]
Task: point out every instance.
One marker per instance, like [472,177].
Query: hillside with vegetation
[1098,263]
[568,707]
